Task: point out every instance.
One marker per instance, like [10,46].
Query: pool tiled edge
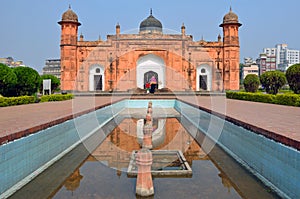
[276,164]
[24,158]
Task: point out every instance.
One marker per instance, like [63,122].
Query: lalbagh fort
[124,62]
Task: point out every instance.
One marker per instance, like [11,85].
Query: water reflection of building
[225,181]
[73,181]
[116,149]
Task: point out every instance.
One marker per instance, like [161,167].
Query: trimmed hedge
[56,97]
[11,101]
[282,99]
[287,99]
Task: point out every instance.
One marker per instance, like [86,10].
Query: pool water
[102,174]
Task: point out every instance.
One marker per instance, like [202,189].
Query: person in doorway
[153,83]
[147,87]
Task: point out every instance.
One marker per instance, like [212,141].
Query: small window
[97,70]
[203,70]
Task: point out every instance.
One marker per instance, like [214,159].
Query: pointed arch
[150,63]
[204,78]
[96,78]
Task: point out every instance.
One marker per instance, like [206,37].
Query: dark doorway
[98,82]
[203,82]
[147,77]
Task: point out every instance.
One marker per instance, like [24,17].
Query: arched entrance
[204,78]
[150,65]
[96,78]
[148,75]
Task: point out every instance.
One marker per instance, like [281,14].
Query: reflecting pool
[103,173]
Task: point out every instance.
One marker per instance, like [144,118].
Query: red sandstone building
[128,61]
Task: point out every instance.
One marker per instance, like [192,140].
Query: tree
[28,81]
[251,83]
[55,83]
[293,77]
[272,81]
[8,79]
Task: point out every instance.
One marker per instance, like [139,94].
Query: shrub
[272,81]
[28,81]
[56,97]
[293,77]
[11,101]
[298,102]
[8,79]
[251,83]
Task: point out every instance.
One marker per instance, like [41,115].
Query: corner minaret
[231,51]
[230,27]
[68,48]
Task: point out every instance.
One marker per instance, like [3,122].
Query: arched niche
[96,78]
[204,78]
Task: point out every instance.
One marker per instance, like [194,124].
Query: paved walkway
[281,123]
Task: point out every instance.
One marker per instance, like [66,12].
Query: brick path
[281,123]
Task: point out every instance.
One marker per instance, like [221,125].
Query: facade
[52,67]
[128,61]
[272,52]
[284,57]
[250,69]
[9,61]
[266,62]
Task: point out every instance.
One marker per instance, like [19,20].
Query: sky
[29,29]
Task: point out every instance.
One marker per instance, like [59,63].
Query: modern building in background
[249,67]
[128,61]
[266,62]
[248,61]
[286,57]
[9,61]
[52,67]
[278,58]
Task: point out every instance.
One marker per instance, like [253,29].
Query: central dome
[151,25]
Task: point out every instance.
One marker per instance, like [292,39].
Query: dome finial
[230,10]
[70,6]
[150,11]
